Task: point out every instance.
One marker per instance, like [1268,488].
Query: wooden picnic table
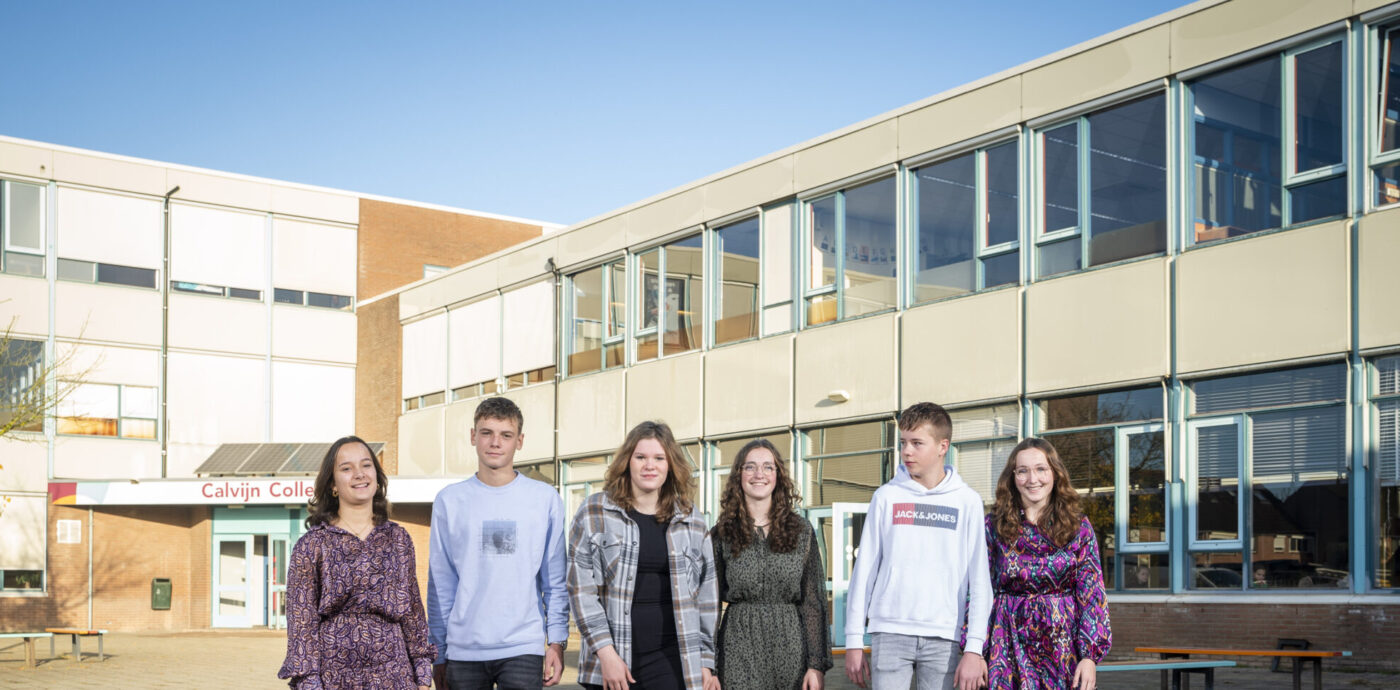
[1299,657]
[1177,667]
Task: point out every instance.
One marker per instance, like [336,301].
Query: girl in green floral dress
[774,634]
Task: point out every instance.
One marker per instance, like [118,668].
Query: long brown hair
[679,486]
[324,505]
[735,526]
[1061,518]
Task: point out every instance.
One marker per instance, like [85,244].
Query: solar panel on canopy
[306,459]
[268,458]
[227,458]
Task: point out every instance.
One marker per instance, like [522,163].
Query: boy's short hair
[499,408]
[928,413]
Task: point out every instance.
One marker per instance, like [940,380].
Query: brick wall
[395,240]
[129,547]
[1370,631]
[378,377]
[415,518]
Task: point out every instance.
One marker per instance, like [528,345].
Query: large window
[1103,187]
[95,409]
[1385,396]
[110,274]
[671,306]
[968,228]
[22,228]
[982,439]
[1268,143]
[851,252]
[846,464]
[1113,445]
[21,385]
[1386,159]
[597,318]
[1268,477]
[737,294]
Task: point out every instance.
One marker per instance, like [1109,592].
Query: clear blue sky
[555,111]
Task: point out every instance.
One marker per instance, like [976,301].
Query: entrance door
[232,556]
[847,521]
[277,583]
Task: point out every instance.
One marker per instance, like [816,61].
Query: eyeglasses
[766,468]
[1025,472]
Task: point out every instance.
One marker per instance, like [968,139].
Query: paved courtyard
[249,661]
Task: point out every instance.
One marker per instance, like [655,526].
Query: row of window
[1266,147]
[1264,504]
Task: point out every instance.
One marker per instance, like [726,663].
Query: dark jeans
[524,672]
[654,670]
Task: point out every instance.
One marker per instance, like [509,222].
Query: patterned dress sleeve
[1093,636]
[303,663]
[812,608]
[421,651]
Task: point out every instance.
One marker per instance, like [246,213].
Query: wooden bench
[30,656]
[77,634]
[1299,657]
[1176,667]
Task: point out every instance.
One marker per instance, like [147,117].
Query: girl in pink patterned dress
[354,615]
[1049,624]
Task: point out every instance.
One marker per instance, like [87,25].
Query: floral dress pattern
[1050,610]
[354,614]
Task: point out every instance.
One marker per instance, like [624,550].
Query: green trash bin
[160,594]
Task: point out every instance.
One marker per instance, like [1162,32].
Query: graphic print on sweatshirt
[925,515]
[498,537]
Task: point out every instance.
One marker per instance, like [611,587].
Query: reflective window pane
[1217,457]
[1112,407]
[72,269]
[24,228]
[1387,183]
[24,264]
[1147,571]
[284,296]
[1386,553]
[1002,196]
[947,229]
[1002,269]
[821,309]
[1060,178]
[126,275]
[587,325]
[1389,70]
[1059,257]
[1238,130]
[1317,93]
[822,263]
[1147,487]
[1128,178]
[1089,459]
[871,257]
[738,282]
[684,289]
[1299,482]
[320,299]
[616,308]
[1217,571]
[1322,383]
[1318,200]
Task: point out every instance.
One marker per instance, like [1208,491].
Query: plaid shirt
[603,552]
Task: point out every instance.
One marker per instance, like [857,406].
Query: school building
[202,332]
[1171,250]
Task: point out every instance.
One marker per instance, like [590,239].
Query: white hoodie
[923,553]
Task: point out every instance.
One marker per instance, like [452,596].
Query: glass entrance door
[277,582]
[232,560]
[847,521]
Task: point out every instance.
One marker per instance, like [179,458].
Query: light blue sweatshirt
[496,570]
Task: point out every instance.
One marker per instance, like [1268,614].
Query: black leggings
[656,670]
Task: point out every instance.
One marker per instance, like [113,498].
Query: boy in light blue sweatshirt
[498,607]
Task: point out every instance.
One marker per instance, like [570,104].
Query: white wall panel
[424,356]
[218,247]
[25,305]
[22,540]
[225,325]
[217,399]
[88,457]
[312,402]
[26,464]
[101,312]
[537,406]
[458,452]
[777,254]
[99,364]
[529,328]
[593,413]
[108,228]
[420,442]
[474,343]
[307,256]
[308,333]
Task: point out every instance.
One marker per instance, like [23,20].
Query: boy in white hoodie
[921,571]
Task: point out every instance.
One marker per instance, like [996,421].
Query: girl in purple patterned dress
[1049,624]
[354,615]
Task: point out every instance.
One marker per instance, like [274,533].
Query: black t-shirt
[653,618]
